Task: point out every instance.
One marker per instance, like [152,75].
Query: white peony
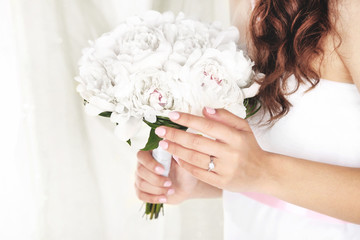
[156,63]
[215,79]
[151,93]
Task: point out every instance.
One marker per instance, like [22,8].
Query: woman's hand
[240,163]
[151,187]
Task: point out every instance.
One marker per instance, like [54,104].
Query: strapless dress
[324,126]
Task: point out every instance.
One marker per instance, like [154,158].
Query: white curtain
[71,179]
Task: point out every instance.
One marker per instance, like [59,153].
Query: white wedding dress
[324,126]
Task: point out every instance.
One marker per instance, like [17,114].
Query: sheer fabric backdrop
[80,176]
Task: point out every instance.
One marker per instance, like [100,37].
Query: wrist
[204,190]
[270,177]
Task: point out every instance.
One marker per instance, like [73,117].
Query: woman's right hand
[152,187]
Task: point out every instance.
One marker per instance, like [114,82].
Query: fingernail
[167,184]
[174,115]
[210,110]
[159,170]
[171,192]
[176,158]
[162,200]
[160,131]
[164,145]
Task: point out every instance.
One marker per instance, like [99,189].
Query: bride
[293,171]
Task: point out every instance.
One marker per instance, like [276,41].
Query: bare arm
[328,189]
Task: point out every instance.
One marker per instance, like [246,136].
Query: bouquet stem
[164,158]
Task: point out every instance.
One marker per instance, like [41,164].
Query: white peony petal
[117,118]
[78,79]
[139,141]
[176,58]
[237,109]
[251,91]
[128,129]
[170,32]
[102,104]
[150,116]
[194,57]
[86,95]
[119,108]
[151,15]
[168,17]
[172,67]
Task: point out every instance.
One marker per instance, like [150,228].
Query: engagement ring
[211,163]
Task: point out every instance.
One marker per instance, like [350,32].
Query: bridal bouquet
[156,63]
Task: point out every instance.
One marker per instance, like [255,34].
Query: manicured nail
[174,115]
[159,170]
[160,131]
[167,184]
[164,145]
[210,110]
[162,200]
[176,158]
[171,192]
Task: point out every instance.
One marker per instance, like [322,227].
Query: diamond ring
[211,163]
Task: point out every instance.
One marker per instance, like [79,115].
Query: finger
[203,175]
[205,125]
[147,160]
[191,140]
[152,178]
[150,198]
[146,187]
[226,117]
[192,157]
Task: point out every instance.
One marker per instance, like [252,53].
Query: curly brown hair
[286,38]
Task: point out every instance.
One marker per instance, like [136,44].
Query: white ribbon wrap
[164,158]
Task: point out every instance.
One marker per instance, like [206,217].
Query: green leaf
[129,142]
[164,121]
[252,112]
[157,209]
[148,208]
[252,105]
[152,125]
[105,114]
[153,141]
[152,211]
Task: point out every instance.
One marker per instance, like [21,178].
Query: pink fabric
[277,203]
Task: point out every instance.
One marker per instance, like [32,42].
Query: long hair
[286,38]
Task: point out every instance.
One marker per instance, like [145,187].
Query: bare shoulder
[240,11]
[347,25]
[347,21]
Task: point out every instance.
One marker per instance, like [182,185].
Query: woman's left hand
[240,163]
